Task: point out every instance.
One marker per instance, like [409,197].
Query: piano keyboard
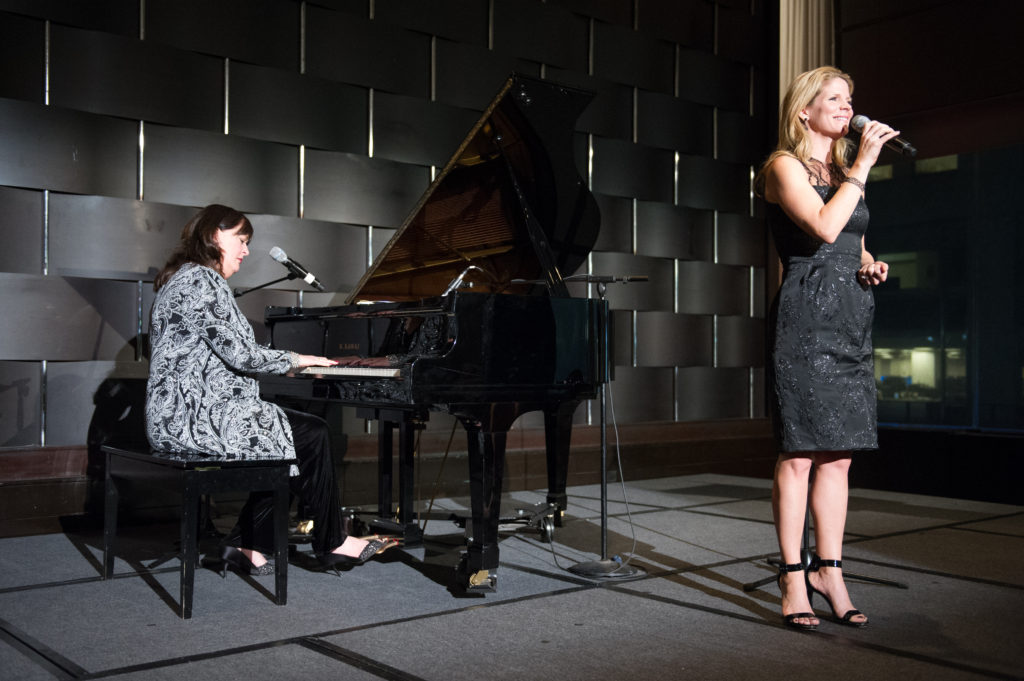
[369,372]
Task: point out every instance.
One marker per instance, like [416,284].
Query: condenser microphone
[897,144]
[295,268]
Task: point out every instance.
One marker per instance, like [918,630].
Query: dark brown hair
[198,240]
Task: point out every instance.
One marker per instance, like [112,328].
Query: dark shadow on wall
[119,418]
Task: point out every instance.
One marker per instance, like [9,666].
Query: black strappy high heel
[847,618]
[332,561]
[229,555]
[791,620]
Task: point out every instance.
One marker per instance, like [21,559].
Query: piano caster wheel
[482,582]
[547,529]
[479,582]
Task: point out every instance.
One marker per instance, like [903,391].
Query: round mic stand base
[606,569]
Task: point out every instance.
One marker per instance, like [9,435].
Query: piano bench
[192,477]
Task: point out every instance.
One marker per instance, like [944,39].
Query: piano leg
[486,439]
[557,436]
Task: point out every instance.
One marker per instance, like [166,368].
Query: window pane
[949,325]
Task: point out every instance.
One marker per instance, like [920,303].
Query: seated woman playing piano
[201,396]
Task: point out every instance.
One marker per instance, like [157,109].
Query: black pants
[315,486]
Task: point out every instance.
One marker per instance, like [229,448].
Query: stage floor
[686,615]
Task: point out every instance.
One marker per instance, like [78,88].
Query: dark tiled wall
[324,121]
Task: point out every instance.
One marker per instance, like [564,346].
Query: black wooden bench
[192,477]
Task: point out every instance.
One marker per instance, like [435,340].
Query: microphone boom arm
[240,292]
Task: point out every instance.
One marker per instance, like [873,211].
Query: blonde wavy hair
[794,137]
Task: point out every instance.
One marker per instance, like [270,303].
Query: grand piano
[466,311]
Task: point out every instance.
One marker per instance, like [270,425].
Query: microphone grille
[859,121]
[277,254]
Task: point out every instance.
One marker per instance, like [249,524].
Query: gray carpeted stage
[700,539]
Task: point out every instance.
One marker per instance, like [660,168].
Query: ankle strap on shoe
[828,563]
[791,567]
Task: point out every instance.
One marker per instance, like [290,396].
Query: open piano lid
[510,202]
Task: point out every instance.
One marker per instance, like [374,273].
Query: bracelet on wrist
[855,182]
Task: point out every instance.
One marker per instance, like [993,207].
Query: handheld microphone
[295,268]
[897,144]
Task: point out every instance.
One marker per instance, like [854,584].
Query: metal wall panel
[655,294]
[665,339]
[641,394]
[360,190]
[739,140]
[97,236]
[358,7]
[379,238]
[113,16]
[688,22]
[707,183]
[431,70]
[616,224]
[70,386]
[610,113]
[20,384]
[335,253]
[197,168]
[146,306]
[67,151]
[21,52]
[463,21]
[626,56]
[278,106]
[67,318]
[256,31]
[609,11]
[541,32]
[469,76]
[708,79]
[740,342]
[670,123]
[353,49]
[108,74]
[21,226]
[625,169]
[706,288]
[667,231]
[741,35]
[412,130]
[758,293]
[704,393]
[741,239]
[758,394]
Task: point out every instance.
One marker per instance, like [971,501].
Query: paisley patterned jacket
[201,396]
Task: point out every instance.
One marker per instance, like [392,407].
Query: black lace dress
[820,372]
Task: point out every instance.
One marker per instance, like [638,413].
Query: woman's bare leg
[829,500]
[789,505]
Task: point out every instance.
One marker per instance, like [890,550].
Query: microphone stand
[604,568]
[240,292]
